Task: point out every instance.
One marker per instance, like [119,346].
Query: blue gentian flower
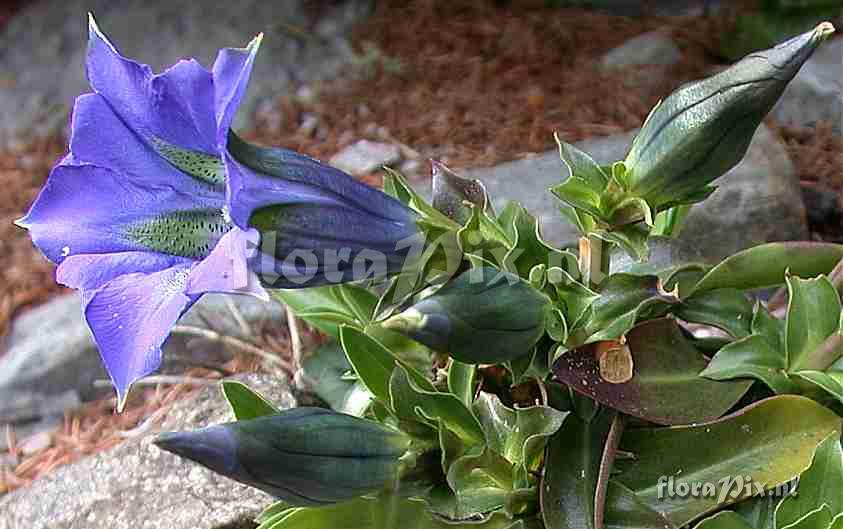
[139,214]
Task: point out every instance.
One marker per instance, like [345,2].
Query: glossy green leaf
[821,484]
[819,518]
[395,184]
[724,520]
[829,381]
[373,363]
[771,441]
[529,249]
[665,256]
[752,357]
[481,483]
[582,165]
[813,315]
[572,472]
[759,512]
[245,402]
[665,388]
[388,512]
[328,307]
[624,510]
[461,381]
[631,238]
[411,401]
[327,370]
[623,298]
[765,265]
[726,308]
[572,297]
[484,237]
[519,435]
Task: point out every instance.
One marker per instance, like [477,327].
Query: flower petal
[85,209]
[89,272]
[226,270]
[248,190]
[100,137]
[231,72]
[176,106]
[130,317]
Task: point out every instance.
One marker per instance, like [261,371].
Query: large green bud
[704,128]
[303,456]
[484,316]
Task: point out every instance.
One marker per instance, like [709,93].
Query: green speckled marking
[197,164]
[191,234]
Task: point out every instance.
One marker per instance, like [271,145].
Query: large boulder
[42,48]
[758,201]
[136,485]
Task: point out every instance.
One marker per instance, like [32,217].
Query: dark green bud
[484,316]
[704,128]
[303,456]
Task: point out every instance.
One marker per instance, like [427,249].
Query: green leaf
[665,388]
[327,371]
[726,308]
[411,401]
[765,265]
[461,381]
[573,297]
[724,520]
[394,182]
[529,249]
[830,381]
[482,483]
[821,484]
[818,518]
[373,363]
[759,512]
[328,307]
[382,512]
[813,315]
[752,357]
[772,442]
[578,194]
[519,435]
[623,298]
[245,402]
[624,510]
[582,165]
[484,237]
[572,472]
[631,238]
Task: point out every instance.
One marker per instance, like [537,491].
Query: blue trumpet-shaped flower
[139,215]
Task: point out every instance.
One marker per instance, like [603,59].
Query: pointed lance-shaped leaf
[704,128]
[484,316]
[303,456]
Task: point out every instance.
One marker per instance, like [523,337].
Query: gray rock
[653,48]
[816,93]
[758,201]
[42,48]
[51,362]
[136,485]
[364,156]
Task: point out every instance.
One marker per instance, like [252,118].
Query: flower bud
[303,456]
[704,128]
[484,316]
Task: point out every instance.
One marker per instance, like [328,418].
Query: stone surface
[653,48]
[364,156]
[42,48]
[138,486]
[52,362]
[816,93]
[757,201]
